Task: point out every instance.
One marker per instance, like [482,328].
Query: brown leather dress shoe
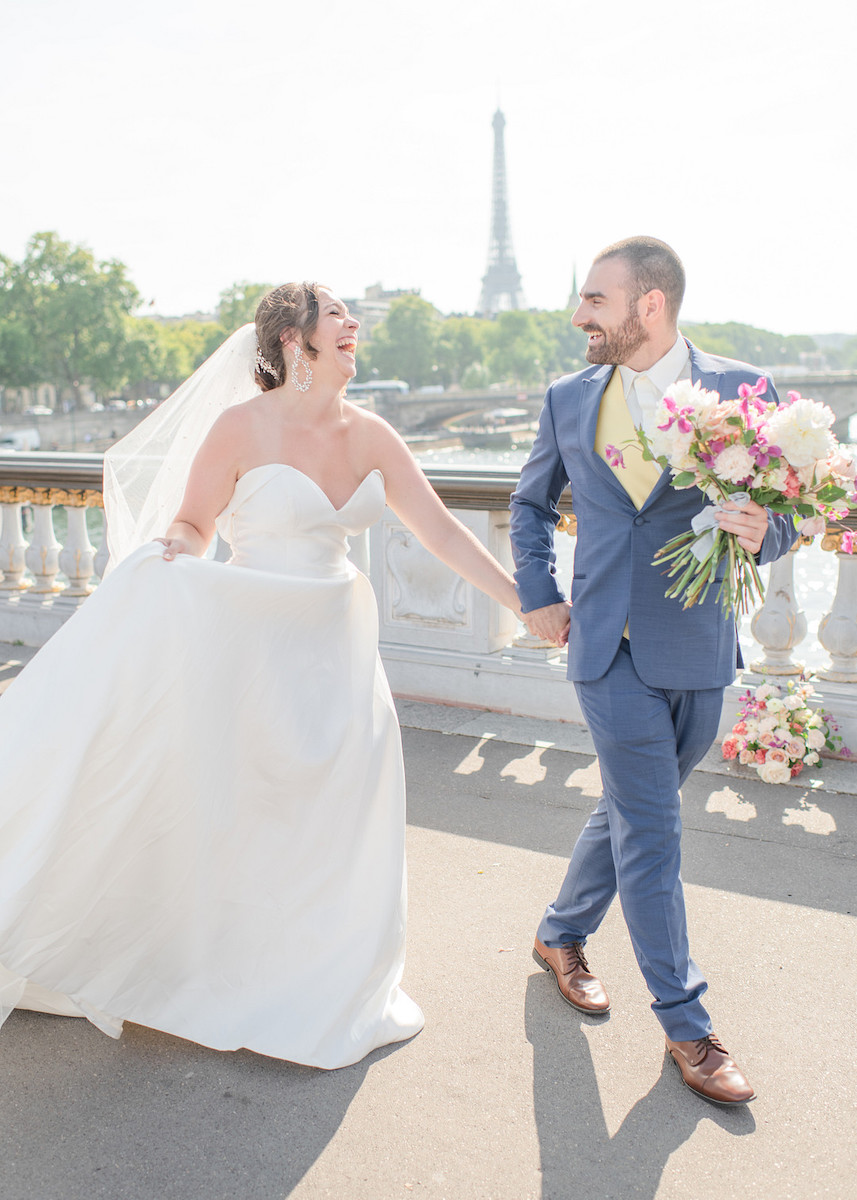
[576,986]
[708,1070]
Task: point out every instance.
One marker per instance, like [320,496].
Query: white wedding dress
[202,795]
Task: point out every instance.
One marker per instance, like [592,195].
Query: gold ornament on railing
[70,498]
[832,539]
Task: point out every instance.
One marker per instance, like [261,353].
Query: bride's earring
[300,361]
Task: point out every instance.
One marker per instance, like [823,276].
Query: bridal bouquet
[778,733]
[783,456]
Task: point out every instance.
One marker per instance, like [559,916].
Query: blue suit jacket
[614,580]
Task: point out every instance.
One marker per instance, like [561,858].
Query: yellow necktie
[616,428]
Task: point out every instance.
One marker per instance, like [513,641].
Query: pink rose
[793,485]
[760,756]
[741,727]
[730,748]
[746,757]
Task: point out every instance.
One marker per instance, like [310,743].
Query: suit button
[639,520]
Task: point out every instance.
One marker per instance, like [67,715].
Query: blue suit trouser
[648,740]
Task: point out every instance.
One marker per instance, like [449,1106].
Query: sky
[205,142]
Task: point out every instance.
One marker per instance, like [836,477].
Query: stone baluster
[838,629]
[102,555]
[13,547]
[42,555]
[779,625]
[77,557]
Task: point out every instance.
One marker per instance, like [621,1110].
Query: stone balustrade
[441,639]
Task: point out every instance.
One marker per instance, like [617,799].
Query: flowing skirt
[202,815]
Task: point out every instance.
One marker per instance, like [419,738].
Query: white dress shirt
[644,390]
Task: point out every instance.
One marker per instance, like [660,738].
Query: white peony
[792,702]
[815,739]
[674,445]
[775,704]
[734,463]
[802,431]
[811,758]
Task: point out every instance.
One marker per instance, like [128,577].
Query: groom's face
[608,314]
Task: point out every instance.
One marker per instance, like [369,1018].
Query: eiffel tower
[501,283]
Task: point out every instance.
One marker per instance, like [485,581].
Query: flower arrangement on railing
[783,456]
[778,733]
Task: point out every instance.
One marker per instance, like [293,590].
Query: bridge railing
[441,639]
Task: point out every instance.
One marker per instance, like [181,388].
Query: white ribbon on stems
[705,523]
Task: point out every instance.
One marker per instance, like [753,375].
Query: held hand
[749,523]
[174,546]
[549,623]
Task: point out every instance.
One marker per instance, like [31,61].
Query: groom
[649,674]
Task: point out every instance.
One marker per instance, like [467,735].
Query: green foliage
[518,349]
[64,316]
[237,304]
[404,346]
[846,356]
[461,344]
[748,344]
[566,346]
[166,353]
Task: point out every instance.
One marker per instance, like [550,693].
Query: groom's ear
[653,306]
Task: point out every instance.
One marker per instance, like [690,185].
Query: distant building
[375,305]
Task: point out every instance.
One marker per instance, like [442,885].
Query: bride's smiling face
[335,335]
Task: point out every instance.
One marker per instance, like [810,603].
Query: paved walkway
[507,1094]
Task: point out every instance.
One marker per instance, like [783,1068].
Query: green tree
[166,352]
[748,344]
[460,345]
[404,345]
[566,346]
[66,317]
[518,349]
[238,303]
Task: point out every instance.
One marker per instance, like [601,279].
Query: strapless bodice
[280,520]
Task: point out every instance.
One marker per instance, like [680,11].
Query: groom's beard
[619,345]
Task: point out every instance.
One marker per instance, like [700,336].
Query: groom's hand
[748,522]
[549,623]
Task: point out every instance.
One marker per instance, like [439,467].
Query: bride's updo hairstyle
[291,308]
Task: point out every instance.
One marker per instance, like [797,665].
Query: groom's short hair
[651,264]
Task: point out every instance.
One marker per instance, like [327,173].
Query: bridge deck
[507,1094]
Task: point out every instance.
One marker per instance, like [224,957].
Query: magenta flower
[614,456]
[748,390]
[846,546]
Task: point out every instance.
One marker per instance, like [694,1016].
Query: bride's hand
[174,546]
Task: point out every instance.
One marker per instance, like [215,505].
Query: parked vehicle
[19,439]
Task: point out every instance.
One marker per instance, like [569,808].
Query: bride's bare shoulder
[369,425]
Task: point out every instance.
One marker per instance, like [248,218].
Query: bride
[202,807]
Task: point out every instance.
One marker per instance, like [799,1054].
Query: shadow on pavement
[579,1156]
[739,835]
[84,1117]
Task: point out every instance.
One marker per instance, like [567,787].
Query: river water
[815,569]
